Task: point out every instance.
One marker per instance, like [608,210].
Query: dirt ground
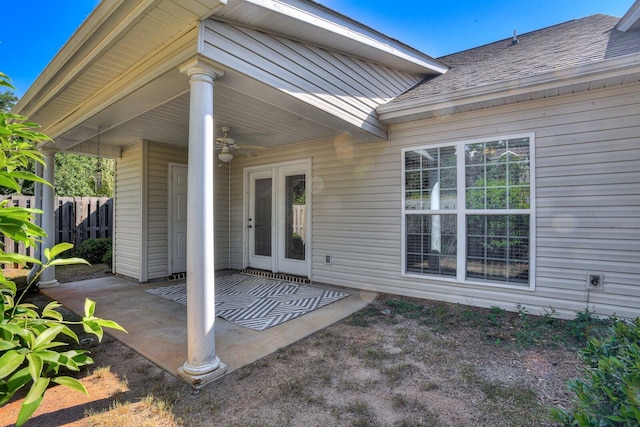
[398,362]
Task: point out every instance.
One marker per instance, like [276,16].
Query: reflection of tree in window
[295,217]
[496,185]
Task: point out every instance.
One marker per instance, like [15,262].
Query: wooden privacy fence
[77,219]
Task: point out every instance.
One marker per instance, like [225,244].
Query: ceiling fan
[226,146]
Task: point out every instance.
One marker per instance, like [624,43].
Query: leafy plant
[107,258]
[94,250]
[609,393]
[29,352]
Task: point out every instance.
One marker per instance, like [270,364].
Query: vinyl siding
[127,235]
[587,203]
[344,86]
[159,157]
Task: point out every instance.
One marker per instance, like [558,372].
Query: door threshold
[279,276]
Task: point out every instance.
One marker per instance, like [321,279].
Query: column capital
[199,65]
[48,149]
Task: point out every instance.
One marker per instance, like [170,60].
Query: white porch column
[48,276]
[202,365]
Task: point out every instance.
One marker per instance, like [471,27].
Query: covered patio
[157,86]
[157,327]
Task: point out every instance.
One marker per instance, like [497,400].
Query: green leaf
[110,324]
[7,345]
[29,176]
[53,252]
[15,383]
[9,362]
[68,332]
[67,261]
[35,365]
[37,390]
[89,307]
[32,401]
[47,336]
[7,181]
[71,383]
[15,330]
[6,258]
[92,327]
[51,312]
[8,284]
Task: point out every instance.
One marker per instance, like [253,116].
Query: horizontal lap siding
[127,234]
[355,201]
[346,87]
[159,157]
[588,195]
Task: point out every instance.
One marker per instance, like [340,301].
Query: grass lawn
[398,362]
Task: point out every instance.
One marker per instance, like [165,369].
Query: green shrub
[609,393]
[94,250]
[107,258]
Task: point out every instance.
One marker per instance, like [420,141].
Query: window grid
[500,193]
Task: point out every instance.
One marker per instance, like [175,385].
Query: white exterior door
[260,222]
[177,218]
[278,218]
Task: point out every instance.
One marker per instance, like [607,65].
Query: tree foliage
[75,176]
[7,100]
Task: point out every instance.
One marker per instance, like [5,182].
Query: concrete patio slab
[157,328]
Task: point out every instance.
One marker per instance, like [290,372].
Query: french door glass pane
[295,215]
[262,222]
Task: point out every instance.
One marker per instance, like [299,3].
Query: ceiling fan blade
[251,147]
[246,153]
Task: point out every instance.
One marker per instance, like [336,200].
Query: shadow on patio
[157,326]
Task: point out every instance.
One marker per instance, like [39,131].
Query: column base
[200,376]
[49,284]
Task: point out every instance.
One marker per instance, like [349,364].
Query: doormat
[258,303]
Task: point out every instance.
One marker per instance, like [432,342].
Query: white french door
[278,218]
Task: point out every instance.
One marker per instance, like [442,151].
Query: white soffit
[310,22]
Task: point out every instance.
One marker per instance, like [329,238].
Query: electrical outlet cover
[595,281]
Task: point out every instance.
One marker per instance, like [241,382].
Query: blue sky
[33,31]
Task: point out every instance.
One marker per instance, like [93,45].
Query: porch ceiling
[119,72]
[159,111]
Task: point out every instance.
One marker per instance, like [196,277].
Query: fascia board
[631,19]
[328,21]
[579,74]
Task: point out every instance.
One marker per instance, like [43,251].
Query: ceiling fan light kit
[225,144]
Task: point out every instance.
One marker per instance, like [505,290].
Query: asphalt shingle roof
[581,41]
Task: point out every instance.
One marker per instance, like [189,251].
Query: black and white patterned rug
[258,303]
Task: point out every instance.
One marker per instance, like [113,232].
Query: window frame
[461,213]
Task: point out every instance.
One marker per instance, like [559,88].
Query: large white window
[468,210]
